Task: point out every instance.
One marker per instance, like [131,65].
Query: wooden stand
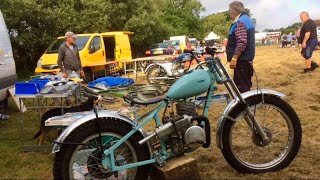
[181,168]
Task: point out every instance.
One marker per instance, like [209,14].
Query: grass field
[276,68]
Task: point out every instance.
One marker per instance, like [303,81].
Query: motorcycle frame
[221,76]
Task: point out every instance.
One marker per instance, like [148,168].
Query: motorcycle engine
[189,137]
[178,69]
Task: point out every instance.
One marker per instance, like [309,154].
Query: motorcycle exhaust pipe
[168,128]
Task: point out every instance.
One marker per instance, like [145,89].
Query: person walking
[309,41]
[241,46]
[69,60]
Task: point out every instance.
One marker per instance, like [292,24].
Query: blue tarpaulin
[110,81]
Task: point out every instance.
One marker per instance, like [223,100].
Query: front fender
[234,103]
[92,116]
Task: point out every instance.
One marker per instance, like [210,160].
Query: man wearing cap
[69,60]
[68,56]
[241,46]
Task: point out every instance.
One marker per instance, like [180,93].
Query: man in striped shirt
[241,46]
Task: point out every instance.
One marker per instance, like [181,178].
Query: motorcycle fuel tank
[191,84]
[183,58]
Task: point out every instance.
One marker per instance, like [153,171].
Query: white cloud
[270,14]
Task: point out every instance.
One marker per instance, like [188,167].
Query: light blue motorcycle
[257,132]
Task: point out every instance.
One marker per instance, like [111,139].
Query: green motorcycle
[258,131]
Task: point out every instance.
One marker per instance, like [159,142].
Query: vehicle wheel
[4,106]
[246,153]
[155,72]
[87,75]
[84,161]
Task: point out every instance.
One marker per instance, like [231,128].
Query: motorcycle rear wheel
[155,72]
[84,161]
[244,151]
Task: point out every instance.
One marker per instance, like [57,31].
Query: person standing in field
[298,37]
[309,41]
[68,56]
[69,60]
[241,46]
[289,39]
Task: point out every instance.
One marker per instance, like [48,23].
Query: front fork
[224,77]
[255,126]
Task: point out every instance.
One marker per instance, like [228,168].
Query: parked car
[177,45]
[158,49]
[8,74]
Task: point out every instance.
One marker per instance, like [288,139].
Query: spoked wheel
[156,72]
[85,161]
[245,151]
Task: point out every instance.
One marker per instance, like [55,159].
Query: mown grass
[276,68]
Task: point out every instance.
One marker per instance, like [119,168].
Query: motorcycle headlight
[39,63]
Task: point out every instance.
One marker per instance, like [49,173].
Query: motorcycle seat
[132,100]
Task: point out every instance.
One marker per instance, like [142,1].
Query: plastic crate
[26,87]
[40,82]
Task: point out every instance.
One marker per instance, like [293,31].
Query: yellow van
[95,51]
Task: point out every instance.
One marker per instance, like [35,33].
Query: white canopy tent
[259,36]
[212,36]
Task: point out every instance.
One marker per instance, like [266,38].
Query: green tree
[219,23]
[30,29]
[182,17]
[33,24]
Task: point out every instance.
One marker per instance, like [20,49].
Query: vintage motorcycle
[167,71]
[257,132]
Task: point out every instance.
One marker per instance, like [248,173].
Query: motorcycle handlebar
[208,50]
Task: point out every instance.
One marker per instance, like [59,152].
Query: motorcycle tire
[159,72]
[244,150]
[67,164]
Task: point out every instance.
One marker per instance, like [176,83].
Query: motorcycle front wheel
[244,150]
[84,161]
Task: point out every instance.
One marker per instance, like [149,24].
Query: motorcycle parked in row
[258,131]
[167,71]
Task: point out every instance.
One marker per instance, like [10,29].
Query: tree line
[34,24]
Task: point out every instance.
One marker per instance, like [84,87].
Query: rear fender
[233,104]
[91,116]
[167,67]
[149,67]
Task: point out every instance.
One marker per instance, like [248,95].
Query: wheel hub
[256,139]
[95,167]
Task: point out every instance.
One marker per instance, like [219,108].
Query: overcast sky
[270,14]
